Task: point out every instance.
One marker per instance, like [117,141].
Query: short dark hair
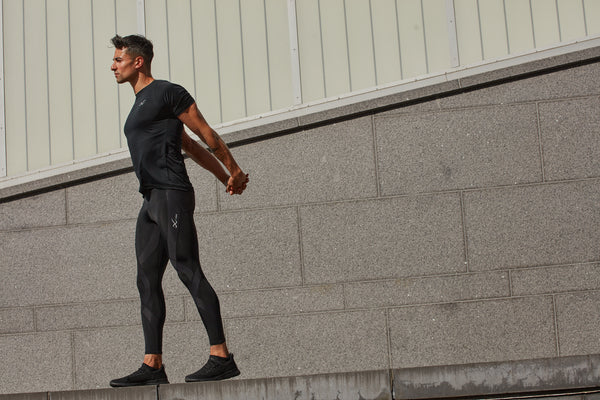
[137,45]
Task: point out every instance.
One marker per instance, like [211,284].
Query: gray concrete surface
[453,232]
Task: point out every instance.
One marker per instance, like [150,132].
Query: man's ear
[138,62]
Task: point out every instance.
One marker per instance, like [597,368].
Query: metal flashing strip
[141,17]
[293,29]
[452,38]
[236,128]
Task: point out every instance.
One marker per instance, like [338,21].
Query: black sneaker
[146,375]
[215,369]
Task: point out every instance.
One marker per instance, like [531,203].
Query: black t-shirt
[153,134]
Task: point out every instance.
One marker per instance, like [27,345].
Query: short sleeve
[178,99]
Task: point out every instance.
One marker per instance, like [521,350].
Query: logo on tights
[174,221]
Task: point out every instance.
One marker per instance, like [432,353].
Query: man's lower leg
[153,360]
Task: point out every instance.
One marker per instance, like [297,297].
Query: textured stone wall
[459,229]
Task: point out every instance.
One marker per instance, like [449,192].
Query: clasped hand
[237,184]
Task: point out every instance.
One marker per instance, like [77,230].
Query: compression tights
[166,231]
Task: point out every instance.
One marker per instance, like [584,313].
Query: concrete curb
[526,378]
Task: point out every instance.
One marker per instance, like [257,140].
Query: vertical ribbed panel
[240,58]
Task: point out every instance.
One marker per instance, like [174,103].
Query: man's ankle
[153,360]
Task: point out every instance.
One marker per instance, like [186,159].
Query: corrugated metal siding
[237,59]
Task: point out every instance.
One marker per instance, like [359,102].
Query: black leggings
[166,231]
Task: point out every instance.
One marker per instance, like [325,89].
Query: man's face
[123,66]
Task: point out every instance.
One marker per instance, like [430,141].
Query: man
[165,227]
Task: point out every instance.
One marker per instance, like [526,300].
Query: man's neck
[141,82]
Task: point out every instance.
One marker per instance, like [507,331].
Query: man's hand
[237,184]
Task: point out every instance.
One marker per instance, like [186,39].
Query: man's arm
[203,158]
[194,120]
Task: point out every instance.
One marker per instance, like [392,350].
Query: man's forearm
[203,158]
[221,151]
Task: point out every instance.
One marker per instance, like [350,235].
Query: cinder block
[46,209]
[94,315]
[205,187]
[118,198]
[275,301]
[323,164]
[436,289]
[371,385]
[131,393]
[578,321]
[458,149]
[250,249]
[384,238]
[309,344]
[571,138]
[122,350]
[109,199]
[533,225]
[555,279]
[63,179]
[68,264]
[24,356]
[16,320]
[185,350]
[572,82]
[472,332]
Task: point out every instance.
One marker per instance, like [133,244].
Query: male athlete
[165,227]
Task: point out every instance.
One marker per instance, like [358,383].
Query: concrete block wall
[459,227]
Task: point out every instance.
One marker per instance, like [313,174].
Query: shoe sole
[149,383]
[226,375]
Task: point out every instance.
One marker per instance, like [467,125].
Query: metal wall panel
[519,26]
[83,90]
[310,50]
[545,22]
[59,84]
[14,67]
[571,19]
[180,47]
[206,60]
[361,56]
[412,38]
[256,56]
[335,47]
[592,16]
[436,35]
[108,124]
[126,24]
[36,88]
[493,29]
[231,60]
[280,60]
[468,31]
[386,41]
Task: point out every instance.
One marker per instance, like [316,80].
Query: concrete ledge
[373,385]
[494,379]
[370,385]
[528,378]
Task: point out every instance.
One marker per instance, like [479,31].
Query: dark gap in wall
[343,118]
